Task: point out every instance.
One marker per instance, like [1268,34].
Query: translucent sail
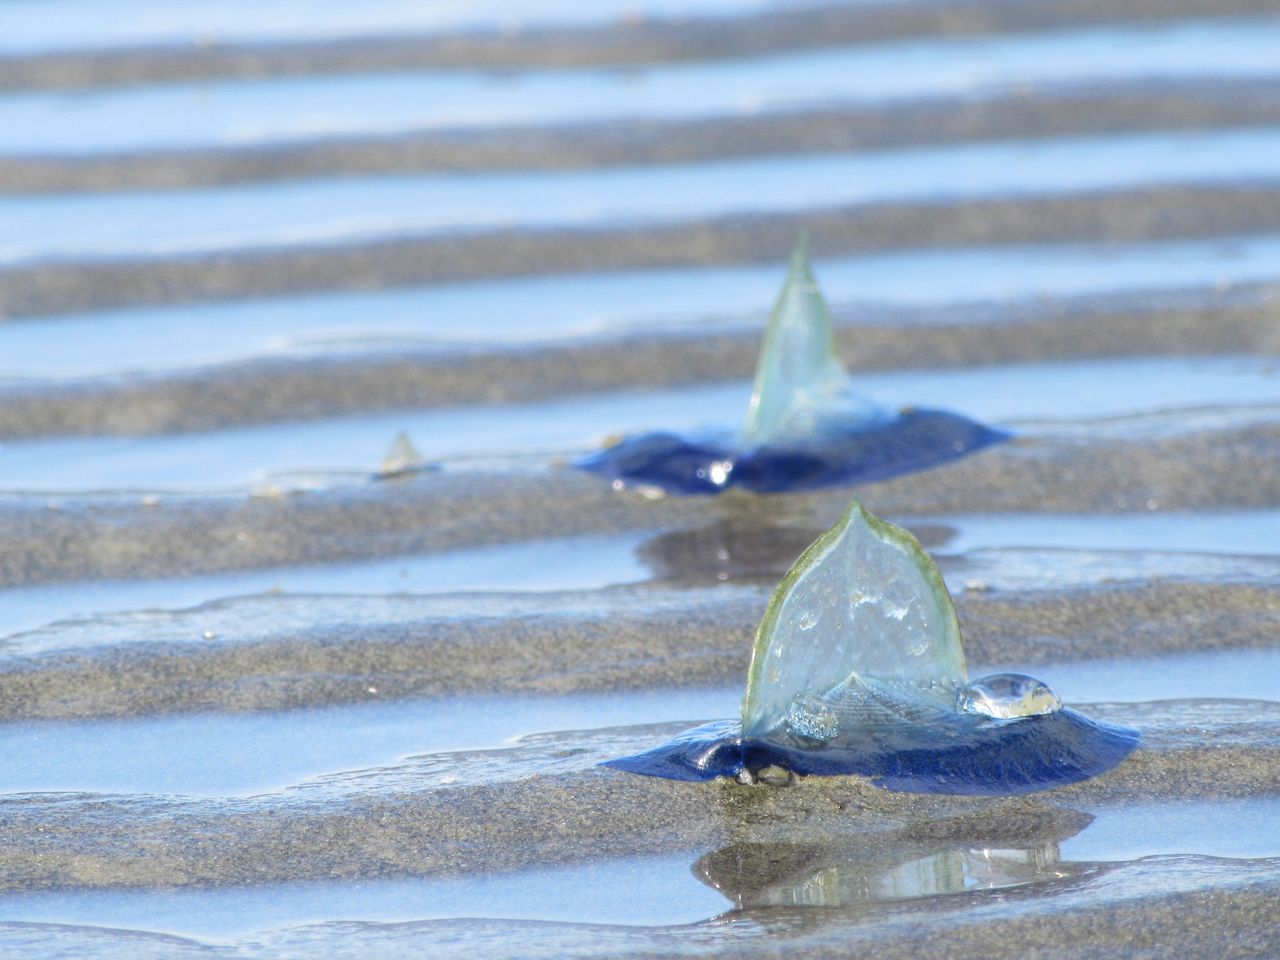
[858,669]
[806,427]
[860,631]
[403,457]
[799,379]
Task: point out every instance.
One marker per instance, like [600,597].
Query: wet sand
[1061,110]
[55,539]
[543,802]
[624,639]
[633,38]
[1155,212]
[1181,322]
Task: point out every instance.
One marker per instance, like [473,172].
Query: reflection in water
[882,869]
[817,877]
[743,548]
[729,549]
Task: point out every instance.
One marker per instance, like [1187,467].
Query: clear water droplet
[1008,695]
[807,621]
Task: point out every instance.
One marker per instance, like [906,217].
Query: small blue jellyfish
[806,427]
[402,460]
[858,668]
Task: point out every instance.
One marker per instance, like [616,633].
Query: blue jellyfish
[858,668]
[806,427]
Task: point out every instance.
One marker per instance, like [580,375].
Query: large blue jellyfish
[858,668]
[806,427]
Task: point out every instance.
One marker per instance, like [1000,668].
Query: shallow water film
[312,639]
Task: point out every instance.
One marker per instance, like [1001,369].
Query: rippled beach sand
[257,701]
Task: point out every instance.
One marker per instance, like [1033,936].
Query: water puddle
[1248,674]
[1004,552]
[289,109]
[1036,569]
[611,304]
[1034,397]
[1216,531]
[1035,551]
[858,872]
[572,563]
[992,554]
[1225,828]
[362,209]
[639,892]
[41,26]
[257,753]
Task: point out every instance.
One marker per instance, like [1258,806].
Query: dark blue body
[914,440]
[972,755]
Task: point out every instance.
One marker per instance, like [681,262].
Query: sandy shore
[1060,111]
[1146,213]
[330,780]
[630,39]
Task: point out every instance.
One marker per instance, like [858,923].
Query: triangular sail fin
[800,383]
[866,607]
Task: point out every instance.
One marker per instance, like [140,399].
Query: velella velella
[401,460]
[806,427]
[858,668]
